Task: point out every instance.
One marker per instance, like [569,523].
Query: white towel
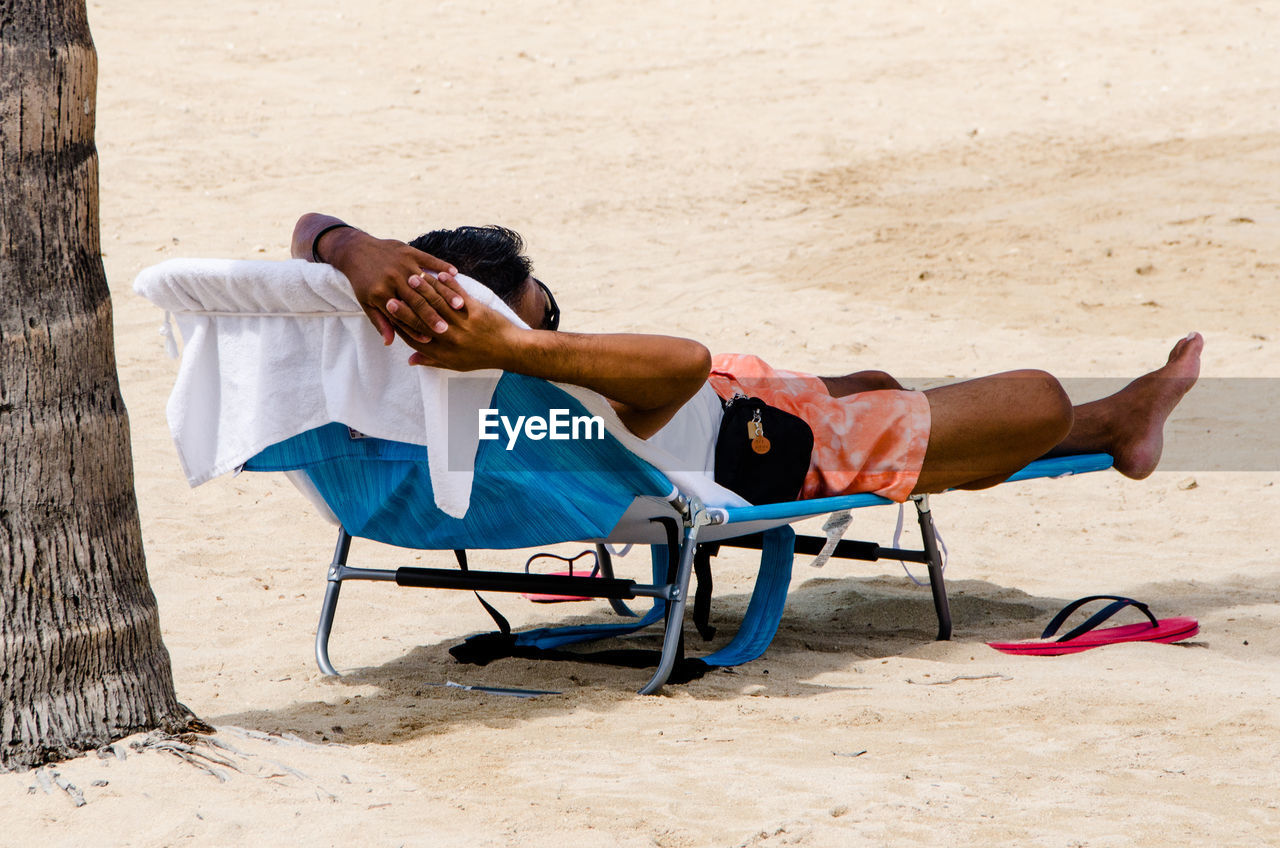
[273,349]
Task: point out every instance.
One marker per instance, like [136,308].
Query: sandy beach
[936,190]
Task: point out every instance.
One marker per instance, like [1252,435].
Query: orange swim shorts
[865,442]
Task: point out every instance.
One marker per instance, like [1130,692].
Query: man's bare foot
[1141,408]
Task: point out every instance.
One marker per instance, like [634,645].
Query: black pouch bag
[762,453]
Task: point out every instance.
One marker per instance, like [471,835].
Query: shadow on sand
[831,625]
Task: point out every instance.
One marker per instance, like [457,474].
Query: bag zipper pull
[755,432]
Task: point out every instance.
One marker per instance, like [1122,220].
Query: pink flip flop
[538,598]
[1086,636]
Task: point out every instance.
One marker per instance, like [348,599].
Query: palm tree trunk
[81,659]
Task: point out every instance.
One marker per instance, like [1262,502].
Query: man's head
[493,256]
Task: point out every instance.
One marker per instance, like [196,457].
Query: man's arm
[379,271]
[648,378]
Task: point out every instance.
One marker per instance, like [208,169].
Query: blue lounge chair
[544,492]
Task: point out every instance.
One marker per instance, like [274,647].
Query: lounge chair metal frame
[693,515]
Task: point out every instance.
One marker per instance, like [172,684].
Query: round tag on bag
[760,445]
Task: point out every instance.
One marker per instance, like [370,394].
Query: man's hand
[477,336]
[379,271]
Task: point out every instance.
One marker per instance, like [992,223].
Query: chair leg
[936,583]
[675,606]
[330,605]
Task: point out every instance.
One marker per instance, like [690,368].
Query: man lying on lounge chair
[870,434]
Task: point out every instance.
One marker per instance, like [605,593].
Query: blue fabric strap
[759,624]
[764,611]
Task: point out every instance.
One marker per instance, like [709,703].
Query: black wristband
[315,243]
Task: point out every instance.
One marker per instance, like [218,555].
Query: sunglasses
[550,318]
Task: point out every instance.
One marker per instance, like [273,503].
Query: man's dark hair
[490,255]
